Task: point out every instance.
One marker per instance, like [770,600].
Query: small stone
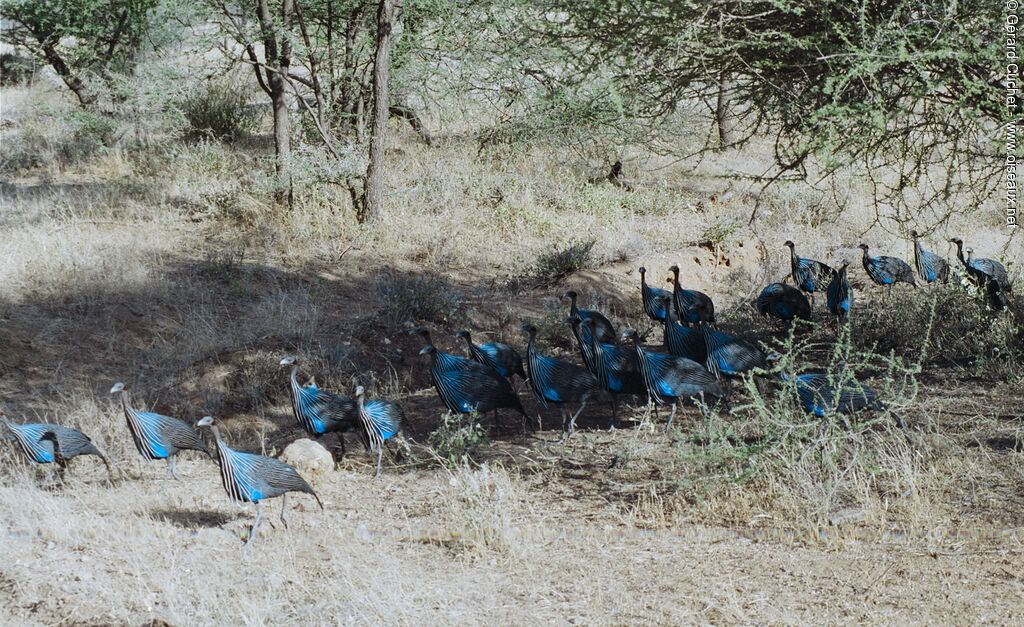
[310,458]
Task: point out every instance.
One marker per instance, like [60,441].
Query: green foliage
[88,34]
[219,110]
[554,265]
[456,438]
[417,298]
[57,140]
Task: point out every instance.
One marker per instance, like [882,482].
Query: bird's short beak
[424,350]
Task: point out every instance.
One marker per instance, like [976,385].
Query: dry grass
[163,263]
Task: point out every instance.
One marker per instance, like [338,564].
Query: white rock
[311,459]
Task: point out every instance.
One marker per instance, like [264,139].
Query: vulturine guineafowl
[669,379]
[886,270]
[780,301]
[730,355]
[987,274]
[157,436]
[651,297]
[809,275]
[603,329]
[465,391]
[381,420]
[44,443]
[557,381]
[683,341]
[930,266]
[617,369]
[692,307]
[501,358]
[840,294]
[981,269]
[822,395]
[318,411]
[251,478]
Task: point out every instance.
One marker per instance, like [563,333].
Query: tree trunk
[374,200]
[278,64]
[86,97]
[722,112]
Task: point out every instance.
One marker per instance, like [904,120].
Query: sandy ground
[390,551]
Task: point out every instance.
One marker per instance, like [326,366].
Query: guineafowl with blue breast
[654,299]
[669,379]
[556,381]
[252,478]
[692,307]
[930,266]
[886,270]
[780,301]
[501,358]
[603,329]
[840,294]
[157,436]
[465,390]
[318,411]
[822,395]
[381,420]
[680,340]
[45,443]
[982,270]
[810,276]
[617,369]
[730,355]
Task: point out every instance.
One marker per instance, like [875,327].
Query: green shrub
[456,438]
[556,264]
[219,111]
[407,298]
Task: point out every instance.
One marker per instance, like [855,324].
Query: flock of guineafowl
[689,366]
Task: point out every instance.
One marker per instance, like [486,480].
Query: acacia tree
[909,92]
[80,39]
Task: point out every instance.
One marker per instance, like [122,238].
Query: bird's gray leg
[380,455]
[672,415]
[572,421]
[565,421]
[170,467]
[255,524]
[284,510]
[615,412]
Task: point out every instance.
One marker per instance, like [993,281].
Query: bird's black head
[630,335]
[643,270]
[570,294]
[956,240]
[528,329]
[289,361]
[429,349]
[863,247]
[913,234]
[789,243]
[463,335]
